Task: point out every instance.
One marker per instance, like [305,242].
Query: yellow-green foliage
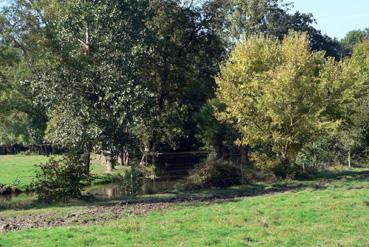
[280,94]
[360,61]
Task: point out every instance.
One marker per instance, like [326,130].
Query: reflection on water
[16,200]
[117,191]
[106,191]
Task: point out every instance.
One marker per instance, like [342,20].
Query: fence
[177,164]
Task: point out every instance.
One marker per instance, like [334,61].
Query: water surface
[111,191]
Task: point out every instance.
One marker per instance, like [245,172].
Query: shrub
[59,180]
[214,173]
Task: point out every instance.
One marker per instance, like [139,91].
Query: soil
[85,216]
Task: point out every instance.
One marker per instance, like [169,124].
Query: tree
[22,121]
[352,39]
[274,18]
[216,136]
[111,72]
[355,137]
[348,144]
[181,58]
[91,84]
[281,95]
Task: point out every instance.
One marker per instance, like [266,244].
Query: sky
[336,17]
[3,2]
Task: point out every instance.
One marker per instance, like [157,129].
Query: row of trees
[139,76]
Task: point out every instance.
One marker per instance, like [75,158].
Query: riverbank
[330,210]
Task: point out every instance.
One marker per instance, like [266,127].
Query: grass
[19,170]
[329,211]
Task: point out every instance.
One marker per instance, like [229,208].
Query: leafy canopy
[280,94]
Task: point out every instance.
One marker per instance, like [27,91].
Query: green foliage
[349,143]
[181,55]
[275,18]
[139,76]
[90,86]
[352,39]
[214,172]
[255,17]
[59,180]
[281,95]
[217,136]
[67,128]
[21,120]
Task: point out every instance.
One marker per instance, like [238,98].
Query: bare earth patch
[90,215]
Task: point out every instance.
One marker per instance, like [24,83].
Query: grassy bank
[327,211]
[19,170]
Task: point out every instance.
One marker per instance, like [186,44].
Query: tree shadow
[339,175]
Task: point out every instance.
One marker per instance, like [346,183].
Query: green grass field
[19,170]
[322,212]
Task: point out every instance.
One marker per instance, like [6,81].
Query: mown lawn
[19,170]
[324,212]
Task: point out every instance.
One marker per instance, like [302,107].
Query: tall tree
[91,85]
[352,39]
[281,95]
[22,121]
[182,53]
[348,144]
[355,131]
[274,18]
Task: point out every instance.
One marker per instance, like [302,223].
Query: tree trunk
[86,159]
[108,162]
[349,158]
[286,164]
[245,161]
[144,155]
[113,159]
[124,156]
[121,156]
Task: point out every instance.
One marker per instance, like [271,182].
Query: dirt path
[85,216]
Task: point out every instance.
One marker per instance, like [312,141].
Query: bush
[214,173]
[59,180]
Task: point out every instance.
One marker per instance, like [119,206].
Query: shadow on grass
[353,175]
[320,181]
